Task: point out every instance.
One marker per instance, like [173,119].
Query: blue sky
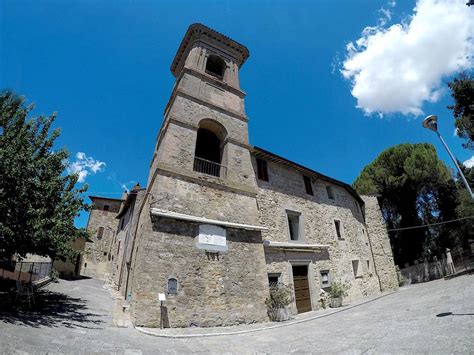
[104,67]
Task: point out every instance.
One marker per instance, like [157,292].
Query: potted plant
[280,298]
[336,292]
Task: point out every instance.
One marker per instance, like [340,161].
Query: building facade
[220,219]
[102,227]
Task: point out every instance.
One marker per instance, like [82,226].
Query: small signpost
[162,299]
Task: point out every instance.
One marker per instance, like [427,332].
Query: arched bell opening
[209,150]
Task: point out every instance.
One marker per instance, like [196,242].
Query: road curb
[273,326]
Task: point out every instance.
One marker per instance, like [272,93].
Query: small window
[85,264]
[330,192]
[105,253]
[172,286]
[325,280]
[355,267]
[307,185]
[273,279]
[294,225]
[215,66]
[100,233]
[338,226]
[368,265]
[262,171]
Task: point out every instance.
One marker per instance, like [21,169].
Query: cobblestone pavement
[76,317]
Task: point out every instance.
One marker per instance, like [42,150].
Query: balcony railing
[209,167]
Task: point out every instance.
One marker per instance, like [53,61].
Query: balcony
[209,167]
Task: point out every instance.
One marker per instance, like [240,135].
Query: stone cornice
[212,80]
[187,95]
[209,181]
[204,220]
[294,246]
[198,31]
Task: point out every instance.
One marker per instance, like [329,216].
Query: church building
[221,219]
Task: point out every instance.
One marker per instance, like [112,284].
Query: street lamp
[431,122]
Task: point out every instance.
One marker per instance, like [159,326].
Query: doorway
[301,285]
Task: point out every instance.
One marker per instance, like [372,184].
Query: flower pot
[279,314]
[336,302]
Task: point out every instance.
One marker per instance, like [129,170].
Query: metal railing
[209,167]
[26,271]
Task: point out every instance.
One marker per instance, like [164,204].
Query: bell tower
[198,230]
[204,135]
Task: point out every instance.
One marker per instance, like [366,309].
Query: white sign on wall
[211,238]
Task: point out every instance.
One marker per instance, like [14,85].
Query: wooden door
[301,285]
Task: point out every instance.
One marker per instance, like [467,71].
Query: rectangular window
[368,265]
[105,209]
[294,225]
[355,267]
[262,171]
[307,185]
[100,232]
[273,279]
[338,226]
[330,192]
[325,279]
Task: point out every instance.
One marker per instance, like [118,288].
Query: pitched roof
[260,152]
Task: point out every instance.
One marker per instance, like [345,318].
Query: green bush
[54,274]
[280,296]
[338,289]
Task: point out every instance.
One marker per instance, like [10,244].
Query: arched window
[209,152]
[215,66]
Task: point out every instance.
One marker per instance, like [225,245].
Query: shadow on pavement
[445,314]
[51,309]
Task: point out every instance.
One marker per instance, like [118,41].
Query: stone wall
[97,256]
[67,268]
[424,272]
[285,191]
[379,239]
[122,248]
[224,289]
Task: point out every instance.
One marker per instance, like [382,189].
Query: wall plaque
[211,238]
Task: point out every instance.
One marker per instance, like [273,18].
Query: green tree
[462,91]
[414,187]
[38,201]
[465,208]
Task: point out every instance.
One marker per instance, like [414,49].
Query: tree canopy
[38,201]
[414,187]
[462,91]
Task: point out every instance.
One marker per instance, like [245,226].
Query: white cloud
[84,166]
[397,69]
[469,163]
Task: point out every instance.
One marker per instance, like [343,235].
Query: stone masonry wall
[212,290]
[95,262]
[377,231]
[286,191]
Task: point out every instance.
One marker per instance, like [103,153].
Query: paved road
[76,318]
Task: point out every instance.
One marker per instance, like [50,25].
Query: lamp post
[431,123]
